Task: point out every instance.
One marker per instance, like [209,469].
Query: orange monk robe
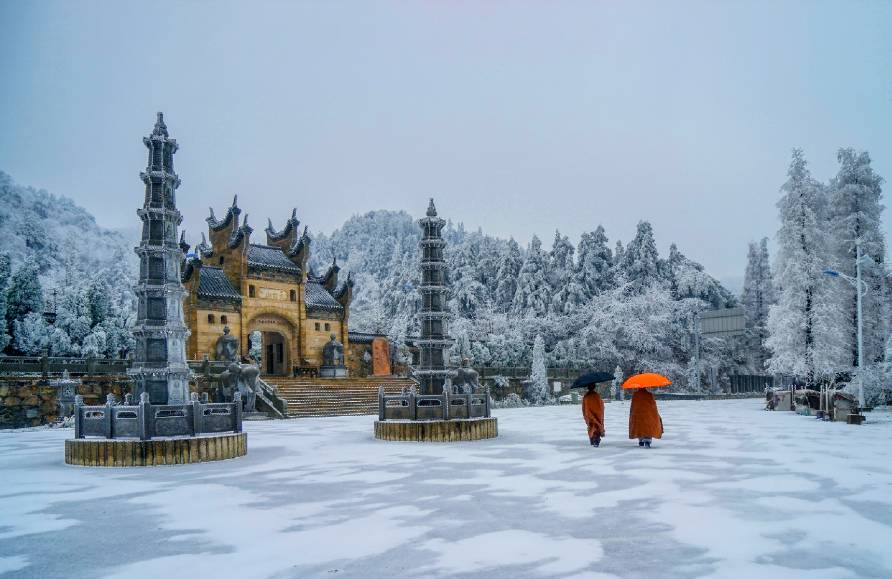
[593,413]
[644,419]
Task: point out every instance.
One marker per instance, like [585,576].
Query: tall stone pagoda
[159,365]
[432,371]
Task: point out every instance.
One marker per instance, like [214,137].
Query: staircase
[334,397]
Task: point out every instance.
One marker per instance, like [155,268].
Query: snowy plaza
[730,491]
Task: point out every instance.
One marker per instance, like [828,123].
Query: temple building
[268,288]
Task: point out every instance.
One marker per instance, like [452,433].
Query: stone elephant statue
[241,378]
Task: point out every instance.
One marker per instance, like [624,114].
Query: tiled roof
[318,298]
[212,283]
[363,337]
[269,257]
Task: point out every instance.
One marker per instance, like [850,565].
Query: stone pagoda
[159,365]
[442,411]
[432,371]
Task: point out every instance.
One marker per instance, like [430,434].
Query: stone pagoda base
[158,451]
[455,430]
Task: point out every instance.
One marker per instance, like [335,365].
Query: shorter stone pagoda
[439,412]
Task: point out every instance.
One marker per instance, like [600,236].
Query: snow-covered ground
[730,491]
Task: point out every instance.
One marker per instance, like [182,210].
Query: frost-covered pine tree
[618,253]
[806,333]
[687,279]
[73,318]
[887,366]
[594,263]
[538,392]
[467,293]
[533,294]
[25,295]
[506,278]
[855,212]
[99,300]
[560,272]
[758,295]
[5,273]
[31,334]
[618,382]
[640,264]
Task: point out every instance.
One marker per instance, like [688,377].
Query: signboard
[268,293]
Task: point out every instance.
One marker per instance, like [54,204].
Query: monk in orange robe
[645,422]
[593,413]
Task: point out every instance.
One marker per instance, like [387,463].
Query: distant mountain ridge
[55,233]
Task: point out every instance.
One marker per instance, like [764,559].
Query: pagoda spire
[160,128]
[433,371]
[159,363]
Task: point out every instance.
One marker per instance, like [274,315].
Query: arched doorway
[275,353]
[276,335]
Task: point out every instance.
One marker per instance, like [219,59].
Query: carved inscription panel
[268,293]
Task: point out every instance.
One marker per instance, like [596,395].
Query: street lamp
[859,284]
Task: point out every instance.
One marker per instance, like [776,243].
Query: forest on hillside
[596,304]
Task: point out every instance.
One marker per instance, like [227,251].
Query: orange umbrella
[646,380]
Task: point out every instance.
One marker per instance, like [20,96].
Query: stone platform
[185,450]
[455,430]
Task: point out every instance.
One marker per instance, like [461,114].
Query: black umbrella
[590,378]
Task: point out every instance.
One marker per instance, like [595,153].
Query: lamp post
[856,281]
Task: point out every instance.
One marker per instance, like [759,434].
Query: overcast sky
[518,117]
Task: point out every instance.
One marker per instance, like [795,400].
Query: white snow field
[730,491]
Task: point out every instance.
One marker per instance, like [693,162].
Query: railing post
[237,401]
[78,416]
[381,413]
[445,402]
[488,403]
[143,416]
[109,412]
[413,409]
[44,366]
[196,413]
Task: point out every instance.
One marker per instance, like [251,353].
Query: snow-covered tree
[73,317]
[468,294]
[25,295]
[560,271]
[533,292]
[805,326]
[31,334]
[758,296]
[617,383]
[95,344]
[506,278]
[34,336]
[538,392]
[688,280]
[640,264]
[594,263]
[855,212]
[618,253]
[5,274]
[99,300]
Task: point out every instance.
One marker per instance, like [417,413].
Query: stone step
[308,397]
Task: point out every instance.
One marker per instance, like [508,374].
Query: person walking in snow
[645,422]
[593,413]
